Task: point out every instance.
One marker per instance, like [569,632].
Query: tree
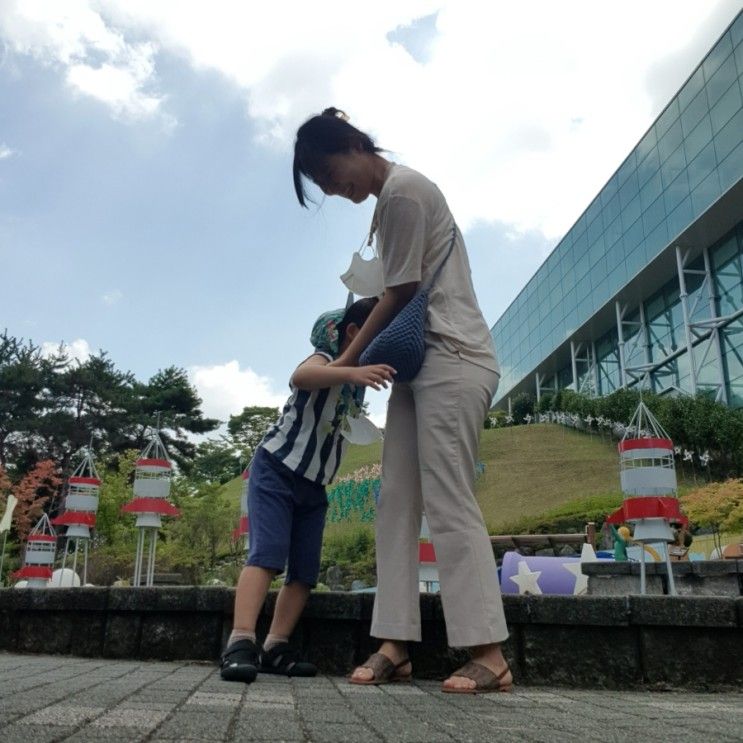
[216,461]
[523,405]
[248,428]
[24,378]
[169,402]
[33,493]
[718,505]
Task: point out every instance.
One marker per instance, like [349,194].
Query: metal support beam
[680,262]
[574,365]
[715,338]
[620,342]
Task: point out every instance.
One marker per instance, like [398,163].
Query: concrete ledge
[589,641]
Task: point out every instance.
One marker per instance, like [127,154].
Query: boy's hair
[357,314]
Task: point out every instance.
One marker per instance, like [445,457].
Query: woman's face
[348,174]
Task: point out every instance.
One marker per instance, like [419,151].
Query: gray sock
[240,634]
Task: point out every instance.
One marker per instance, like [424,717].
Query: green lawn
[529,470]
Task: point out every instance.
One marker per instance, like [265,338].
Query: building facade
[646,289]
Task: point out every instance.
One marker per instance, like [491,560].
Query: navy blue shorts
[287,519]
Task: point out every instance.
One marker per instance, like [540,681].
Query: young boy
[298,457]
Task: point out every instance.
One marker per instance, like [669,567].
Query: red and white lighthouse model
[41,547]
[648,478]
[80,509]
[152,476]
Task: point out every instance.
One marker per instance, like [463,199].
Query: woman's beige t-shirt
[413,226]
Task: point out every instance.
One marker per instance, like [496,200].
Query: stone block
[714,585]
[331,645]
[60,599]
[121,639]
[47,632]
[516,608]
[587,656]
[334,605]
[708,568]
[177,635]
[578,610]
[623,585]
[605,568]
[739,609]
[683,611]
[8,630]
[215,598]
[692,656]
[155,598]
[88,633]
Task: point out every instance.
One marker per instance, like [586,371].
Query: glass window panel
[648,167]
[651,191]
[609,190]
[731,168]
[646,144]
[691,89]
[595,229]
[725,76]
[593,211]
[738,54]
[667,118]
[613,233]
[725,108]
[633,235]
[656,241]
[716,57]
[581,246]
[653,215]
[705,193]
[678,220]
[674,164]
[635,261]
[697,139]
[626,168]
[628,191]
[676,192]
[670,141]
[611,210]
[701,166]
[736,32]
[729,136]
[693,113]
[618,276]
[631,213]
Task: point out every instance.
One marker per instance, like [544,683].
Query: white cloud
[520,112]
[112,297]
[98,60]
[79,349]
[226,389]
[5,151]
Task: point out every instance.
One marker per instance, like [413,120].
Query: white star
[581,581]
[527,579]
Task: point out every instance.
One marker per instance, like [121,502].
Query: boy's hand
[374,375]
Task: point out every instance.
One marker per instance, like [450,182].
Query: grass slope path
[529,470]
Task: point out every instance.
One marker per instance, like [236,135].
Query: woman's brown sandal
[485,680]
[384,670]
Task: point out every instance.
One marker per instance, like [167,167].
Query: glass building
[646,289]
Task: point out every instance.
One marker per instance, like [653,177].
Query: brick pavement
[55,698]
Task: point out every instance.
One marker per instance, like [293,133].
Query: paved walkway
[55,698]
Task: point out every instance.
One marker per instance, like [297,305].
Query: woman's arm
[316,373]
[393,300]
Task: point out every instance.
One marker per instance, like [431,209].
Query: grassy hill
[529,470]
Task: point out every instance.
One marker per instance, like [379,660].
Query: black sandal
[282,660]
[239,662]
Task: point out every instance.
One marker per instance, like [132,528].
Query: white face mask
[364,277]
[361,431]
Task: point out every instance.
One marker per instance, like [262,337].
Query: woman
[433,423]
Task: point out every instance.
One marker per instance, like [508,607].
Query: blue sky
[146,202]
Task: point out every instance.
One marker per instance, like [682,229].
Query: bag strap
[446,258]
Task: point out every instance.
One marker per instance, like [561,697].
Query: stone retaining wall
[702,578]
[583,641]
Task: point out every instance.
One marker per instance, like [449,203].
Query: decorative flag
[8,515]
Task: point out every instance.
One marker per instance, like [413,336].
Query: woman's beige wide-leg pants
[428,464]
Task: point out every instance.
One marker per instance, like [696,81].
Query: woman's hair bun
[335,113]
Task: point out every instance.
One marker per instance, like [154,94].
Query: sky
[146,199]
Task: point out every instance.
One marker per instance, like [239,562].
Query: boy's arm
[316,373]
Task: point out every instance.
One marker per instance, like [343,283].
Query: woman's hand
[375,375]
